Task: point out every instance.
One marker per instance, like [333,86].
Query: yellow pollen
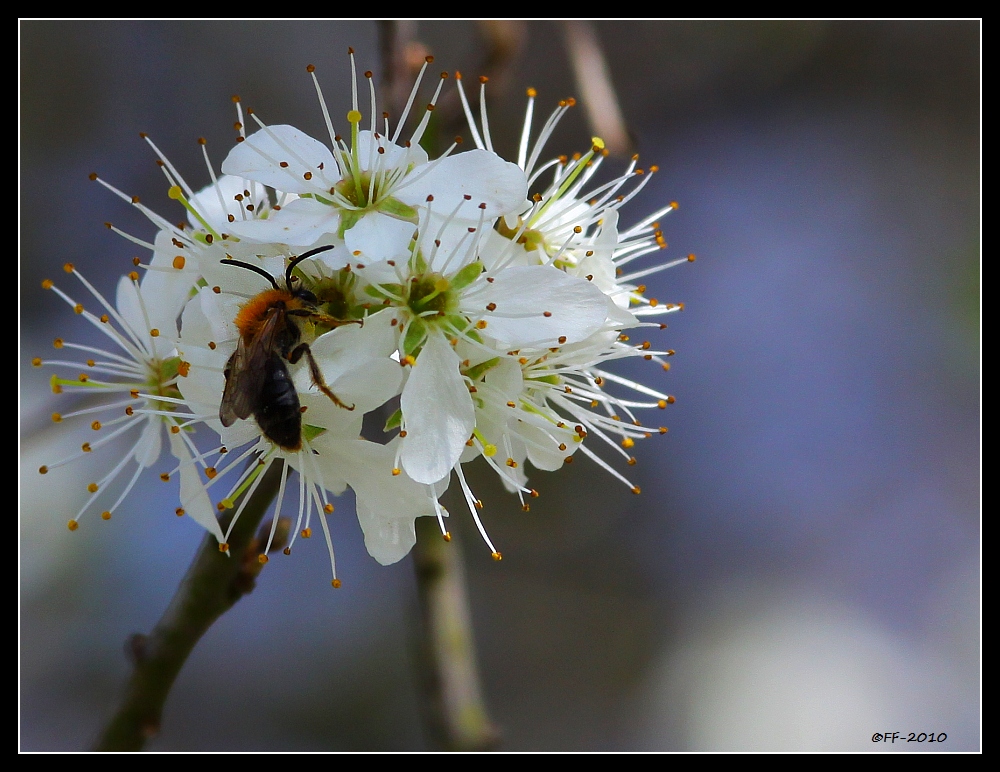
[336,584]
[446,536]
[262,559]
[56,417]
[129,410]
[395,472]
[210,472]
[85,447]
[628,442]
[183,369]
[78,308]
[511,463]
[47,284]
[165,476]
[36,362]
[175,192]
[353,116]
[72,525]
[306,533]
[179,511]
[636,490]
[92,487]
[328,508]
[68,267]
[661,404]
[43,470]
[287,550]
[409,359]
[691,258]
[481,324]
[134,393]
[175,429]
[511,404]
[104,318]
[105,515]
[223,547]
[83,378]
[155,333]
[95,425]
[178,262]
[497,556]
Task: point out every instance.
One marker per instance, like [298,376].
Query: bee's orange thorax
[254,312]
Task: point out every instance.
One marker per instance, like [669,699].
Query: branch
[456,713]
[212,585]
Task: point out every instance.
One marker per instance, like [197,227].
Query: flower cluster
[477,303]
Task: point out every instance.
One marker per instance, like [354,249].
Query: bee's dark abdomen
[277,412]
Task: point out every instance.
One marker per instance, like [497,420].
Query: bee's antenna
[254,268]
[299,259]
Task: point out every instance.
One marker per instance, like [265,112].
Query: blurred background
[802,567]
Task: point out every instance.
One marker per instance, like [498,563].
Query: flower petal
[438,413]
[537,306]
[282,157]
[483,175]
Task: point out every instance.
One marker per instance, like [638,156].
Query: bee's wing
[246,371]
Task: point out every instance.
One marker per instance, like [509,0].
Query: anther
[497,556]
[165,476]
[179,511]
[446,536]
[43,469]
[395,471]
[210,472]
[546,314]
[72,525]
[262,558]
[92,488]
[306,533]
[95,425]
[85,447]
[335,584]
[562,338]
[105,515]
[223,547]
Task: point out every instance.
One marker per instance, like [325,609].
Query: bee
[257,379]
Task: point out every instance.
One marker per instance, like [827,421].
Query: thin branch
[593,78]
[456,713]
[212,585]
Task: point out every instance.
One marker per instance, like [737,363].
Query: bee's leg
[317,377]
